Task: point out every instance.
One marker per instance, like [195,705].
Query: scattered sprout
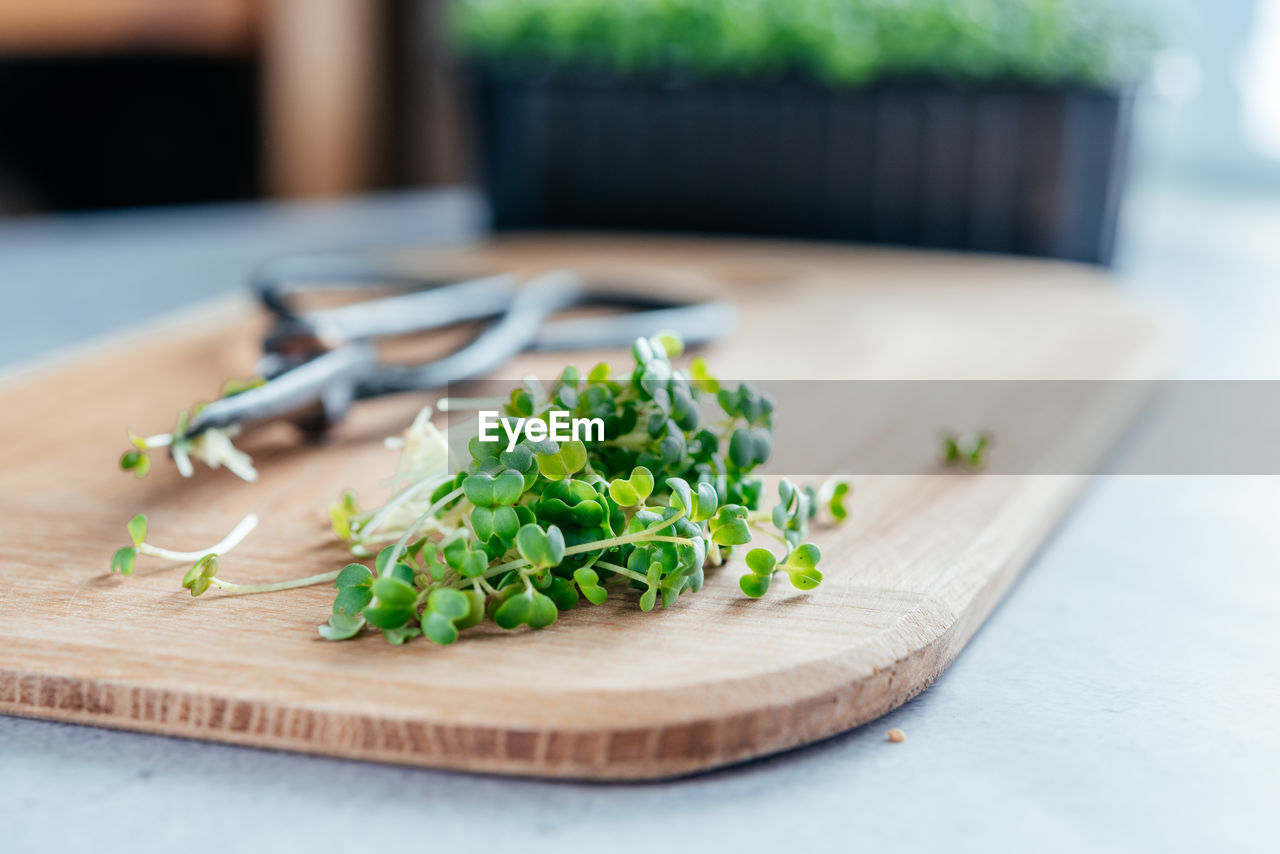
[201,574]
[212,446]
[123,559]
[833,495]
[966,451]
[138,529]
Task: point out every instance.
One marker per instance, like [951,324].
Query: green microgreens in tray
[838,42]
[518,534]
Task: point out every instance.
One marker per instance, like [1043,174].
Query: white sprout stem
[226,544]
[456,404]
[244,589]
[413,475]
[646,536]
[160,440]
[182,460]
[621,570]
[714,554]
[405,494]
[408,534]
[759,529]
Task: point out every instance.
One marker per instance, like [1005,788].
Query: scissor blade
[328,381]
[419,311]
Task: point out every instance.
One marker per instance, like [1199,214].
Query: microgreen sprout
[211,446]
[201,575]
[966,451]
[832,496]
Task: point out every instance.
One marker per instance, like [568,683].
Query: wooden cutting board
[607,692]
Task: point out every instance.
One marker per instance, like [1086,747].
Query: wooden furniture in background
[324,69]
[323,95]
[76,26]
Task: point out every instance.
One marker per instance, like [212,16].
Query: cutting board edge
[657,751]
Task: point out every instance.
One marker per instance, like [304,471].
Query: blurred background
[113,103]
[153,151]
[120,103]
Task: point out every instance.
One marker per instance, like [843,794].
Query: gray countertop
[1123,697]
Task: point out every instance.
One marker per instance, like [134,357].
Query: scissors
[315,364]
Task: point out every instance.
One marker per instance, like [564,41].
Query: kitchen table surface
[1124,696]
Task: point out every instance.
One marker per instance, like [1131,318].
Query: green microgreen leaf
[468,562]
[761,561]
[835,504]
[486,490]
[702,377]
[382,616]
[542,548]
[965,451]
[341,627]
[398,636]
[528,607]
[448,611]
[353,575]
[122,560]
[138,529]
[634,490]
[754,585]
[504,522]
[568,459]
[352,600]
[669,342]
[341,513]
[729,526]
[394,593]
[589,583]
[200,575]
[801,566]
[681,494]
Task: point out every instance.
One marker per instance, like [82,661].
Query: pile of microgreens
[519,535]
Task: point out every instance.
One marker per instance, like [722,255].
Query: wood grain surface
[607,692]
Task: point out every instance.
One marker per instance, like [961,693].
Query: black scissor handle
[696,323]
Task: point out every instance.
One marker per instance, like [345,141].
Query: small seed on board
[896,735]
